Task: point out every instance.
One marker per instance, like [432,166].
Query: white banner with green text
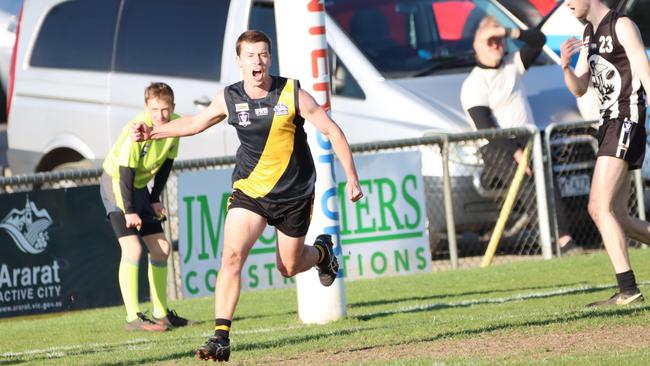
[382,234]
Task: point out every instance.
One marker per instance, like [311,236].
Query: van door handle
[203,101]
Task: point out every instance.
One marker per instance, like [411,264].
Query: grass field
[519,313]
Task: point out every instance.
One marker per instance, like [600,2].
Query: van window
[262,18]
[341,80]
[77,35]
[408,38]
[172,38]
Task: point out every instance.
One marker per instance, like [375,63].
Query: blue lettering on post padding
[329,193]
[328,159]
[323,141]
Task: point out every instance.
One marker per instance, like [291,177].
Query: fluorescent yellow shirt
[145,157]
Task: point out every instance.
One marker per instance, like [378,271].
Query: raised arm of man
[184,126]
[576,80]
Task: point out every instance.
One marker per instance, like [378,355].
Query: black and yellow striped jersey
[274,163]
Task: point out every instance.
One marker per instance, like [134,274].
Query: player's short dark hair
[159,90]
[252,36]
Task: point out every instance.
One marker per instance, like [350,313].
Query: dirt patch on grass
[495,346]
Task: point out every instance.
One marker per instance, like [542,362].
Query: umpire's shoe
[215,349]
[173,320]
[329,265]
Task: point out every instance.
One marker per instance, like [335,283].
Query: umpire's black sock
[222,327]
[627,283]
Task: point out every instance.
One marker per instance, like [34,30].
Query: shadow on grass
[285,339]
[291,340]
[468,303]
[11,362]
[152,360]
[90,349]
[469,293]
[120,348]
[262,316]
[569,317]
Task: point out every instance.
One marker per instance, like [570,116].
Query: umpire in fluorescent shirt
[135,212]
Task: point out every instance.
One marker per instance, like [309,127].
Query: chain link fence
[466,179]
[571,155]
[480,174]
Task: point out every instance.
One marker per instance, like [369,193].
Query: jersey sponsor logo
[28,227]
[261,111]
[606,79]
[241,107]
[281,110]
[244,119]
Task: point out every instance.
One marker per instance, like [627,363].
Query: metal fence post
[172,289]
[638,187]
[550,182]
[640,197]
[449,207]
[540,193]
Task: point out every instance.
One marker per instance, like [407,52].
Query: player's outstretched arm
[628,34]
[577,81]
[184,126]
[312,112]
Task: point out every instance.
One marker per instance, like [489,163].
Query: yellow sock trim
[158,288]
[322,253]
[222,327]
[128,279]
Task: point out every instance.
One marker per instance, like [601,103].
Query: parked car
[531,12]
[9,10]
[398,66]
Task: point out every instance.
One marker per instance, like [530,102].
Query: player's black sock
[222,327]
[627,282]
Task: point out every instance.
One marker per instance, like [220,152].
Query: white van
[82,65]
[398,66]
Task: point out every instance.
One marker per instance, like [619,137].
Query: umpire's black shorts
[142,203]
[623,139]
[291,218]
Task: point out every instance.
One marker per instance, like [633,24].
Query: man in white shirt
[494,96]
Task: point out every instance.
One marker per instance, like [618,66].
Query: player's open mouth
[257,73]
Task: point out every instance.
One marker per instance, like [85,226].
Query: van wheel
[83,164]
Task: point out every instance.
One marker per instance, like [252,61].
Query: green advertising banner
[382,234]
[385,233]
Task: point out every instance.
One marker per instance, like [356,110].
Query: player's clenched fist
[140,132]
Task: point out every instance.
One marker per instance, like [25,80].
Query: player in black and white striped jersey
[612,58]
